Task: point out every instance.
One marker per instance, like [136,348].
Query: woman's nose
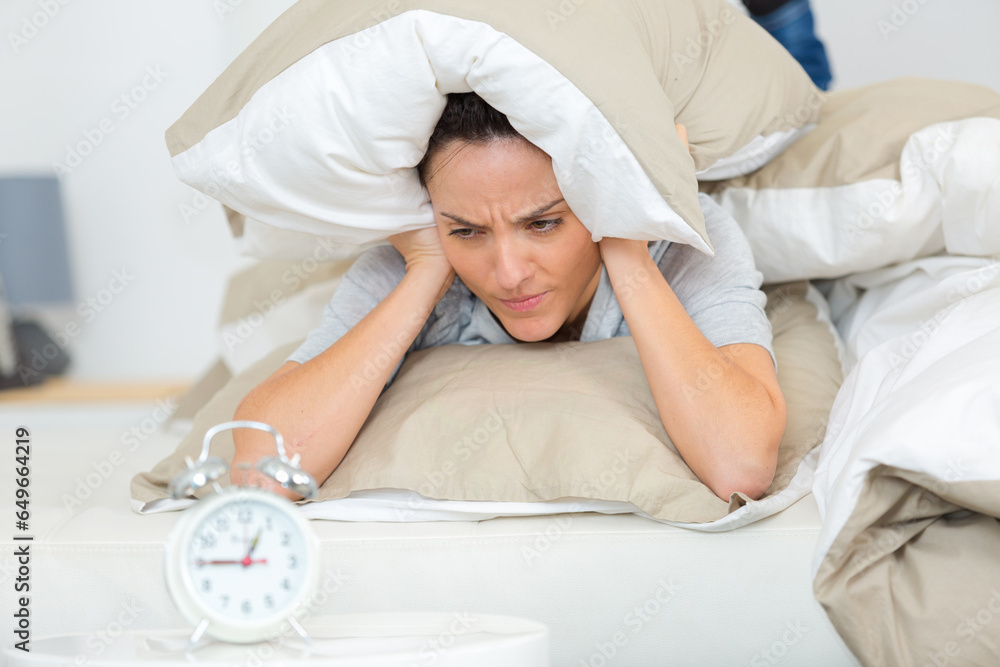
[513,266]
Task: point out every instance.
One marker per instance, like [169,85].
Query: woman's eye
[552,224]
[545,226]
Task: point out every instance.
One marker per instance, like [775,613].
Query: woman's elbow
[750,480]
[755,474]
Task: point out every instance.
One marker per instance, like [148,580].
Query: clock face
[244,560]
[247,560]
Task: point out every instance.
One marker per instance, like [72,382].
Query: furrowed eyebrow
[524,218]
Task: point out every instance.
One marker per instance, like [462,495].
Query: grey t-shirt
[721,294]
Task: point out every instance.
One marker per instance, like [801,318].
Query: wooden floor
[60,389]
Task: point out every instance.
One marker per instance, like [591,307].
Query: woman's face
[509,235]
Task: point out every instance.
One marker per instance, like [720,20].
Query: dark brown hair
[466,117]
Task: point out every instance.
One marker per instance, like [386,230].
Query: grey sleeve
[363,286]
[721,294]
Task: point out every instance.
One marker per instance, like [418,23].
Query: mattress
[611,588]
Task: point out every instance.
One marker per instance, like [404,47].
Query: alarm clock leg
[299,629]
[196,635]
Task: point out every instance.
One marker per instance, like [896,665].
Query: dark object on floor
[38,356]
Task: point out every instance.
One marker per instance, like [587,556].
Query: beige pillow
[540,421]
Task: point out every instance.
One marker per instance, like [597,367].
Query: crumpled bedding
[908,477]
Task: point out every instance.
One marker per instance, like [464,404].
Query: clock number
[225,600]
[286,584]
[206,585]
[207,540]
[221,524]
[268,601]
[285,537]
[245,606]
[292,563]
[246,515]
[267,523]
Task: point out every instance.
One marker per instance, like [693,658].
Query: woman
[527,270]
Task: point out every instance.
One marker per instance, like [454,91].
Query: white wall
[875,40]
[122,202]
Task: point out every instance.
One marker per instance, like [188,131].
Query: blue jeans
[792,25]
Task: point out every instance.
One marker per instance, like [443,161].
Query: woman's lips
[525,304]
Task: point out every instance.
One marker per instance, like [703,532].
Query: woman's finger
[682,132]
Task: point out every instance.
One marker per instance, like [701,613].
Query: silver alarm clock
[240,563]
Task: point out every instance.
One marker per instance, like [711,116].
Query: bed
[666,595]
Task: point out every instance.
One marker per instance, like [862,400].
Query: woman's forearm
[721,419]
[320,406]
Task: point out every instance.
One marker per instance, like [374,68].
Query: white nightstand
[339,640]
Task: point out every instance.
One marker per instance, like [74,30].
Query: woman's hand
[614,249]
[422,248]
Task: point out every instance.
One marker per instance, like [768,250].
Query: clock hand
[243,561]
[253,545]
